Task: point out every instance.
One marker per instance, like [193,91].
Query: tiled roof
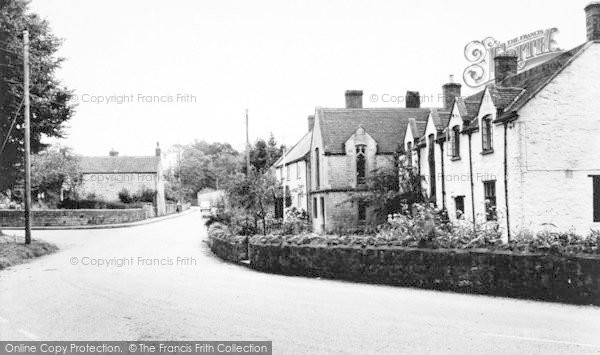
[298,151]
[148,164]
[386,125]
[440,119]
[535,79]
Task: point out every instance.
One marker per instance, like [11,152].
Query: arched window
[486,133]
[361,164]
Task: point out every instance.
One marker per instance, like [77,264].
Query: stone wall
[43,218]
[544,277]
[230,250]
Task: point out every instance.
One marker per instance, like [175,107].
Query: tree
[388,189]
[202,166]
[254,194]
[264,154]
[50,106]
[53,170]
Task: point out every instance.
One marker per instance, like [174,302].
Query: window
[323,209]
[455,142]
[431,159]
[317,169]
[459,203]
[596,188]
[315,208]
[486,133]
[288,173]
[489,189]
[362,211]
[299,200]
[288,197]
[409,154]
[361,164]
[298,171]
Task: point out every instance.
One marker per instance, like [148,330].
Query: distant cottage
[105,177]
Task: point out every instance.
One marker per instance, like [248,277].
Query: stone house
[293,170]
[105,177]
[523,151]
[347,145]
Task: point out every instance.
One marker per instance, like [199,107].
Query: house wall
[561,150]
[457,172]
[296,182]
[107,186]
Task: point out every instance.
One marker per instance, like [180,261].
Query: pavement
[161,282]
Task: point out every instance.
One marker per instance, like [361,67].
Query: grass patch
[12,253]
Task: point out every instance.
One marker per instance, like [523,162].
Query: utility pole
[247,146]
[26,126]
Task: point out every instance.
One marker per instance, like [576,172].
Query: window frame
[460,198]
[317,169]
[490,193]
[486,134]
[361,157]
[455,142]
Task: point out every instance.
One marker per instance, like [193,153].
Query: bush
[95,204]
[125,196]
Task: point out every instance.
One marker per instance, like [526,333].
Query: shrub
[125,196]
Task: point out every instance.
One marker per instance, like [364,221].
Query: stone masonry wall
[545,277]
[42,218]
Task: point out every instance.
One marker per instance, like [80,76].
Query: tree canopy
[50,101]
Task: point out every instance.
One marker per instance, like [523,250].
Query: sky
[147,71]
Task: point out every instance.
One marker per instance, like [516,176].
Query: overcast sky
[277,58]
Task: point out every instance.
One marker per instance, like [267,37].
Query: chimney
[592,20]
[158,151]
[113,153]
[505,65]
[451,92]
[311,122]
[354,98]
[413,99]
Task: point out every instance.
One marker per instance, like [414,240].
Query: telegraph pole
[247,146]
[26,127]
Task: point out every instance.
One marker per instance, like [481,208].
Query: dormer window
[361,164]
[486,134]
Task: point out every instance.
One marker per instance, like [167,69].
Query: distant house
[293,170]
[106,176]
[347,145]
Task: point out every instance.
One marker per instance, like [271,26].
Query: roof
[535,79]
[440,119]
[386,126]
[515,91]
[147,164]
[298,151]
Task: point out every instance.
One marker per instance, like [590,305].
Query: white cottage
[524,151]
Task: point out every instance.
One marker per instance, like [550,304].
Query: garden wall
[42,218]
[572,279]
[228,250]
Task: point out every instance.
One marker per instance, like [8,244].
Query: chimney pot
[354,98]
[413,99]
[451,91]
[311,122]
[505,65]
[158,151]
[592,19]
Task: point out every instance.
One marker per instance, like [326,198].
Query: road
[207,299]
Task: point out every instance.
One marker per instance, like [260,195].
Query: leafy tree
[202,165]
[53,170]
[264,154]
[253,194]
[388,189]
[50,106]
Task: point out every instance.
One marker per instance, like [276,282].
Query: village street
[199,297]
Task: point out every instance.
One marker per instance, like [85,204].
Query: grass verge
[13,253]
